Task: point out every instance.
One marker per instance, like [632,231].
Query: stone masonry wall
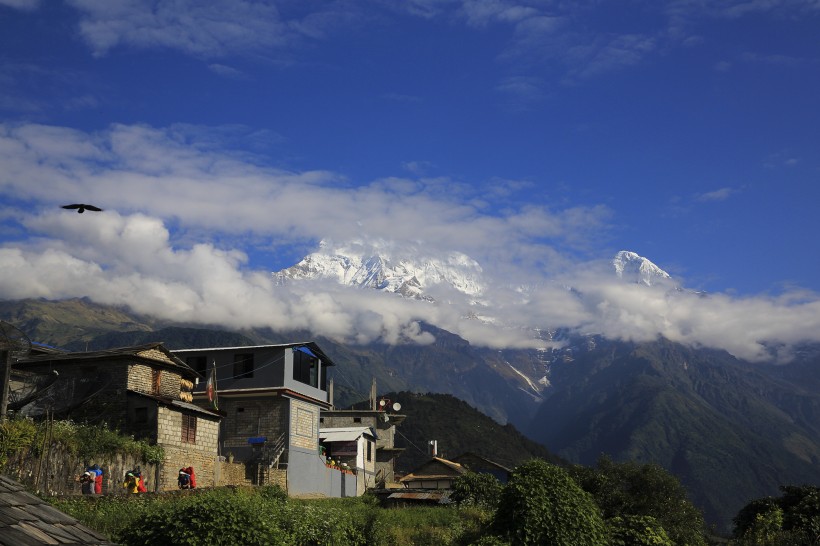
[55,472]
[201,455]
[141,379]
[304,425]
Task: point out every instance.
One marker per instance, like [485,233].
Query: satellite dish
[382,402]
[13,340]
[396,406]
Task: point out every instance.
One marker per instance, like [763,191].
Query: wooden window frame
[188,428]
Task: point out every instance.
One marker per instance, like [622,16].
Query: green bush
[631,530]
[15,435]
[635,489]
[541,504]
[209,518]
[474,489]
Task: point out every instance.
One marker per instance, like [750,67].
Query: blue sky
[536,137]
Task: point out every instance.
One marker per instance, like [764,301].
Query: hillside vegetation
[457,428]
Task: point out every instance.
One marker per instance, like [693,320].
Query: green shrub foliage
[791,519]
[211,518]
[473,489]
[15,435]
[541,504]
[634,489]
[636,531]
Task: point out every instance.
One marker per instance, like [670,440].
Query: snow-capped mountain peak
[631,267]
[373,266]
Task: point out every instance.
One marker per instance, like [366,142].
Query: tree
[541,504]
[792,518]
[634,489]
[477,489]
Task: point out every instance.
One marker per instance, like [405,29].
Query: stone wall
[304,425]
[57,470]
[178,454]
[239,474]
[141,378]
[249,418]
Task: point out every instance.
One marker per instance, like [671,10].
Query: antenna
[14,344]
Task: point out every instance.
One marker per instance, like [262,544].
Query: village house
[437,473]
[143,390]
[482,465]
[272,396]
[351,448]
[381,416]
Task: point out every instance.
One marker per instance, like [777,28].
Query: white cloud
[204,29]
[717,195]
[181,211]
[21,4]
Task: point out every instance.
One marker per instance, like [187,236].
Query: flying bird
[81,207]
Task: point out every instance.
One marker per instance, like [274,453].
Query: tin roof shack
[142,390]
[383,422]
[480,465]
[352,448]
[271,396]
[437,473]
[26,519]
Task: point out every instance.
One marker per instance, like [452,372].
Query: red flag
[210,388]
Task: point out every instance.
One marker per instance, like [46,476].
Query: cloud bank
[192,230]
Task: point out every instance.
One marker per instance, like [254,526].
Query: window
[198,363]
[140,415]
[189,429]
[357,419]
[306,369]
[156,381]
[369,450]
[243,365]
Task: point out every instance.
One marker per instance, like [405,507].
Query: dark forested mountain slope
[730,430]
[457,428]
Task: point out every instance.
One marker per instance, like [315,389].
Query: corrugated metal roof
[345,434]
[441,496]
[27,519]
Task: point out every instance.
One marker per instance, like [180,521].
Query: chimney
[432,448]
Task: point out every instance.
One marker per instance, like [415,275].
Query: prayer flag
[210,388]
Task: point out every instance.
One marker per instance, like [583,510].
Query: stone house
[271,396]
[143,390]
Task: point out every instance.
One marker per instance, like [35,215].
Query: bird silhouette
[81,207]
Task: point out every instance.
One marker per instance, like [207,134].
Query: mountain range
[731,430]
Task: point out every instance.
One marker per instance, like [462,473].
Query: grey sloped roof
[26,520]
[154,352]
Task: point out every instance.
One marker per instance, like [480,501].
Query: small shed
[437,473]
[481,465]
[354,448]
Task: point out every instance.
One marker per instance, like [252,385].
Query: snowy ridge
[412,273]
[374,266]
